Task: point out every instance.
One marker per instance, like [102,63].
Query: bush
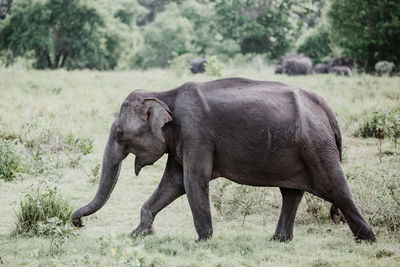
[43,211]
[213,67]
[367,32]
[317,44]
[81,145]
[11,162]
[231,200]
[380,125]
[382,185]
[94,175]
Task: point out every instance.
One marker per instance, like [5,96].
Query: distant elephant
[340,70]
[251,132]
[322,68]
[294,65]
[343,61]
[198,65]
[385,67]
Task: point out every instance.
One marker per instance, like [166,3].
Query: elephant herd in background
[302,65]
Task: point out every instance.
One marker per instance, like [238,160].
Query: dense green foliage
[317,44]
[58,33]
[128,34]
[369,31]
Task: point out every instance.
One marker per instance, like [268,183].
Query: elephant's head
[138,130]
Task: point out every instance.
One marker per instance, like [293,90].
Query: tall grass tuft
[42,208]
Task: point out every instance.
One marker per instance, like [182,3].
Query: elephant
[197,65]
[254,133]
[322,68]
[340,70]
[294,65]
[343,61]
[385,67]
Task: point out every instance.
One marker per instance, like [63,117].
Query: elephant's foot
[282,237]
[142,231]
[366,235]
[203,238]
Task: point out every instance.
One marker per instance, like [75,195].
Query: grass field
[48,109]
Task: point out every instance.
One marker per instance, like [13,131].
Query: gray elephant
[294,65]
[343,61]
[251,132]
[385,67]
[340,70]
[197,65]
[322,68]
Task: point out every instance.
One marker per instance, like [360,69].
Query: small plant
[317,208]
[94,175]
[232,199]
[82,145]
[379,127]
[10,160]
[42,209]
[395,125]
[213,67]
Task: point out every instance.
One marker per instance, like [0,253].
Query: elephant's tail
[338,139]
[336,215]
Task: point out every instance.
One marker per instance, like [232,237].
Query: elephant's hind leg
[331,184]
[169,189]
[291,199]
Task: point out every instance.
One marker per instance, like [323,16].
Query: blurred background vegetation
[140,34]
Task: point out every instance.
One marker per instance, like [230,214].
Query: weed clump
[381,124]
[43,211]
[11,161]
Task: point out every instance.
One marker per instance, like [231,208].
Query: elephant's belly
[285,171]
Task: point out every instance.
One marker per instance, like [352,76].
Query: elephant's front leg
[197,170]
[170,188]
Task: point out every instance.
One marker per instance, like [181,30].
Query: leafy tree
[317,44]
[260,26]
[367,30]
[59,33]
[168,36]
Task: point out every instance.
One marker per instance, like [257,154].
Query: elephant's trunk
[112,160]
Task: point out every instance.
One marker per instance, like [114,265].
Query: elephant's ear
[158,114]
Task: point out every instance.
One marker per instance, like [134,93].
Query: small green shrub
[180,64]
[381,124]
[10,160]
[43,211]
[94,175]
[232,199]
[214,67]
[317,208]
[82,145]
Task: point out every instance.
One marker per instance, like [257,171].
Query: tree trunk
[63,59]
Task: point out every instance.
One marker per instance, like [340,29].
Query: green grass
[82,104]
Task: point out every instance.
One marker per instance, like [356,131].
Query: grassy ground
[84,103]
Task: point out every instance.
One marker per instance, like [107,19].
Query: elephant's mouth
[138,166]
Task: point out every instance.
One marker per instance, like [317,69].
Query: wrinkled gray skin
[197,65]
[385,67]
[322,68]
[294,65]
[340,70]
[251,132]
